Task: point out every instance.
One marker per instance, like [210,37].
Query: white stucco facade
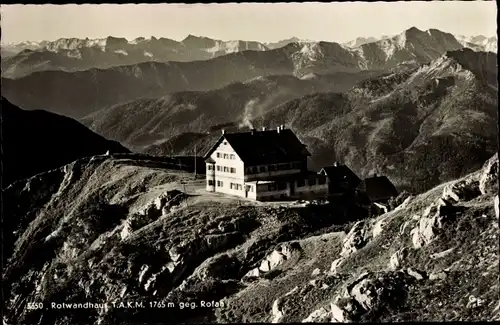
[227,173]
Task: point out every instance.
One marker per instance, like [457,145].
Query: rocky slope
[36,141]
[144,122]
[438,121]
[73,54]
[79,93]
[118,229]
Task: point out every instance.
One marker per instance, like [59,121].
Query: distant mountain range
[73,54]
[38,141]
[79,93]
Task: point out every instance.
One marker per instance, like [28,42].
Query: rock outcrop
[488,182]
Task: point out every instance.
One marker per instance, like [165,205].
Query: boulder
[441,254]
[174,253]
[277,310]
[464,190]
[365,293]
[437,276]
[265,266]
[378,227]
[316,272]
[253,273]
[282,253]
[433,219]
[496,205]
[396,258]
[318,316]
[275,259]
[336,264]
[338,314]
[277,314]
[142,273]
[355,239]
[488,181]
[416,274]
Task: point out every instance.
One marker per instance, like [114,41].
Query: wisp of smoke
[247,114]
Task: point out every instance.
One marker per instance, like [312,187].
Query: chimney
[252,131]
[282,127]
[223,131]
[278,128]
[263,128]
[374,174]
[335,164]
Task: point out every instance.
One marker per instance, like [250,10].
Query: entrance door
[292,188]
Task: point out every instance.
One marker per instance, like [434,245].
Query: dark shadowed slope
[143,122]
[37,141]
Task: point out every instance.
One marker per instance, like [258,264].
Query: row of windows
[276,187]
[233,186]
[224,169]
[230,156]
[272,168]
[311,182]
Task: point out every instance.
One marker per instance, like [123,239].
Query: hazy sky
[338,22]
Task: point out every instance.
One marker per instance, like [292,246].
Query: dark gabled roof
[209,160]
[264,147]
[340,173]
[379,188]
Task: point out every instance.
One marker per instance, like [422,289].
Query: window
[262,169]
[311,181]
[224,143]
[226,156]
[233,170]
[210,182]
[249,188]
[281,186]
[232,186]
[226,169]
[271,187]
[219,168]
[218,155]
[220,183]
[232,156]
[210,167]
[301,183]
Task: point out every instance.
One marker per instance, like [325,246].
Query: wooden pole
[195,161]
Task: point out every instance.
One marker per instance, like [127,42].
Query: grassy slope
[66,244]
